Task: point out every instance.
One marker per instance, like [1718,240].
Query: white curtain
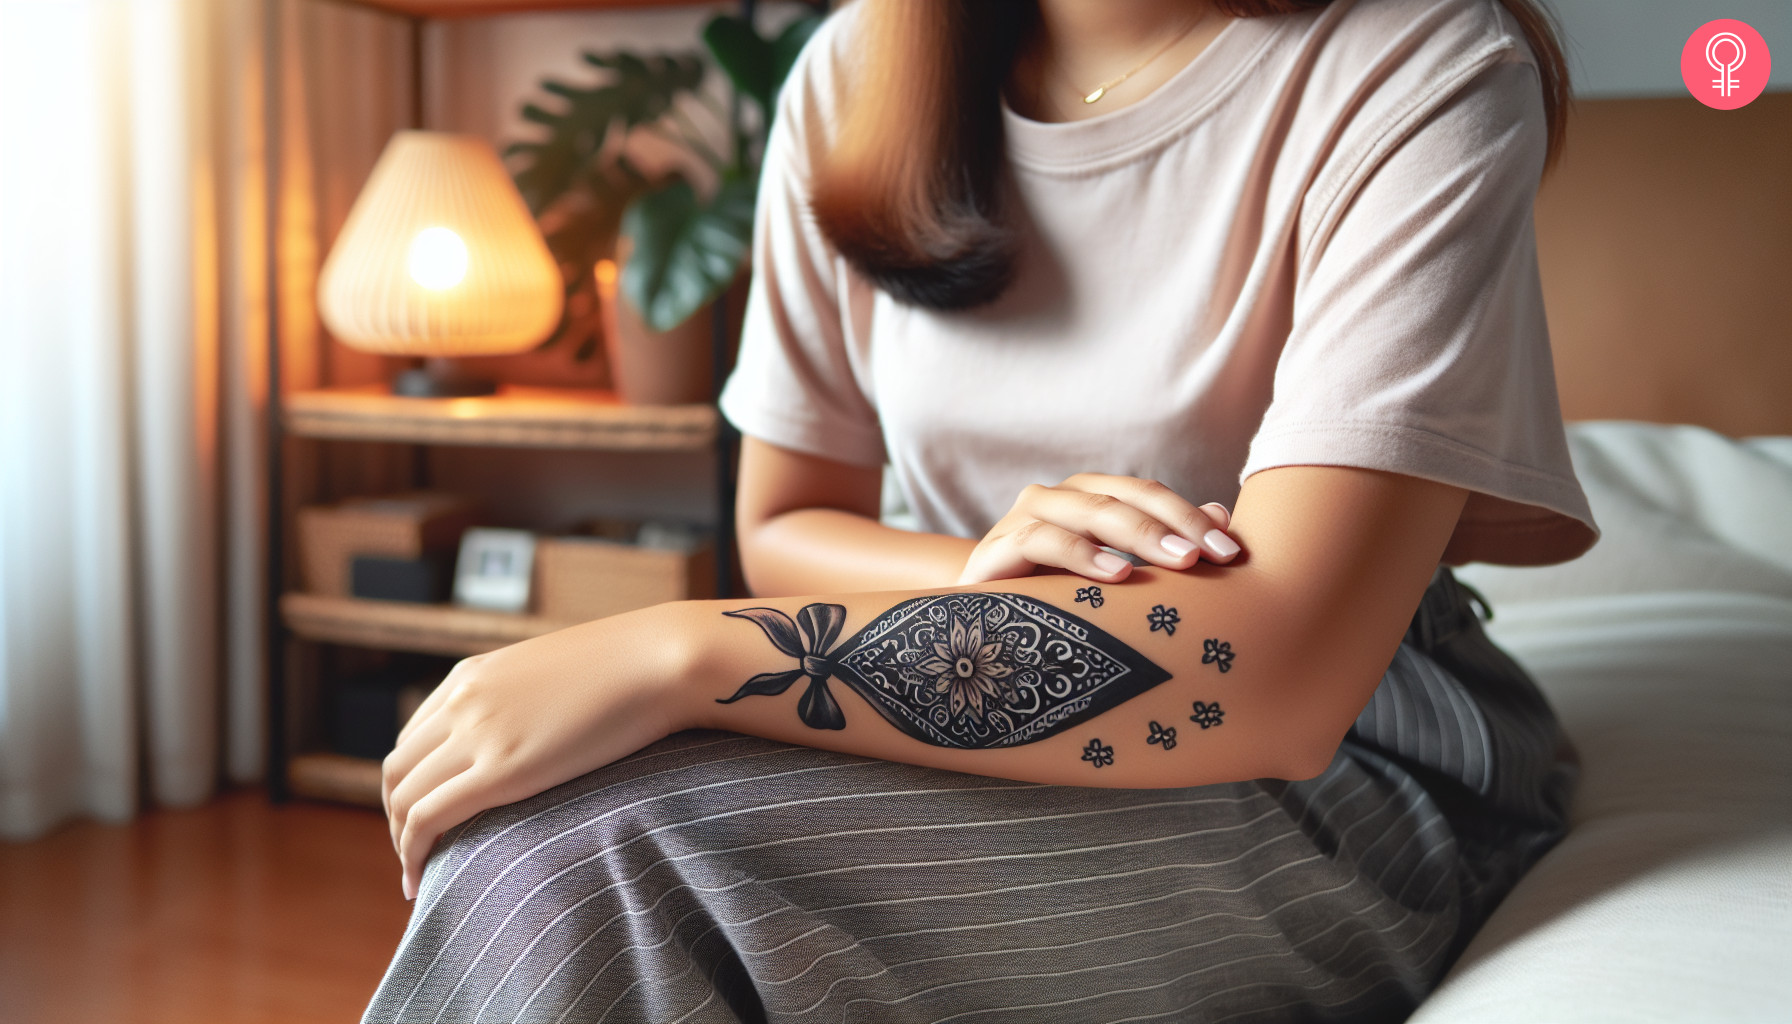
[134,250]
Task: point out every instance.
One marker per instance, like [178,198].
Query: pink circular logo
[1725,64]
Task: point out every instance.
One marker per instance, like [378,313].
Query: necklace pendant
[1097,94]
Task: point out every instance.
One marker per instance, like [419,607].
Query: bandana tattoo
[971,671]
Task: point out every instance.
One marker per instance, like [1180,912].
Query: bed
[1665,241]
[1667,651]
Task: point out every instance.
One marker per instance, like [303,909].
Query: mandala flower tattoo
[967,670]
[1091,595]
[1163,618]
[1207,715]
[1217,652]
[1098,755]
[1161,735]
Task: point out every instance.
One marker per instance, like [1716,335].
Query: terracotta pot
[652,367]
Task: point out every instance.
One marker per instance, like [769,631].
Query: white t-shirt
[1311,246]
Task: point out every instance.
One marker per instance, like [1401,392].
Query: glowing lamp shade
[439,257]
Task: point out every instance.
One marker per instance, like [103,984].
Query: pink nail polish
[1110,564]
[1218,544]
[1177,546]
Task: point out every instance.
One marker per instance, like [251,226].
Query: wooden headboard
[1665,239]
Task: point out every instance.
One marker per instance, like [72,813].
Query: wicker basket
[401,526]
[582,578]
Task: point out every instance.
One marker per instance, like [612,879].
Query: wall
[1665,235]
[482,70]
[1665,238]
[1623,48]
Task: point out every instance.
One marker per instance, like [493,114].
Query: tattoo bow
[820,625]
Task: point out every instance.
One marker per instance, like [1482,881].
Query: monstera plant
[686,247]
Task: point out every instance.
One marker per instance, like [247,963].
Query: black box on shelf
[419,580]
[364,722]
[368,709]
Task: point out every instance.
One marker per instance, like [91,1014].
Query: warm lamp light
[439,258]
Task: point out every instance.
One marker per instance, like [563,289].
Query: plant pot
[650,367]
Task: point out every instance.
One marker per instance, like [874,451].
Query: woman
[988,770]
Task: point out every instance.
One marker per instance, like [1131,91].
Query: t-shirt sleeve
[1418,343]
[796,384]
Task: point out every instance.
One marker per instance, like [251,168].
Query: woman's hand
[507,725]
[1066,526]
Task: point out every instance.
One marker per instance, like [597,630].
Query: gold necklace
[1102,89]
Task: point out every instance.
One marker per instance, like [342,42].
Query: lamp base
[441,378]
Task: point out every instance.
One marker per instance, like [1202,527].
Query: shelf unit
[337,778]
[515,417]
[394,626]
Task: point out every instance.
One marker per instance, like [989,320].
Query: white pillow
[1679,508]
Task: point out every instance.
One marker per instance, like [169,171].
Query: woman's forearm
[1169,678]
[1019,679]
[1166,679]
[824,550]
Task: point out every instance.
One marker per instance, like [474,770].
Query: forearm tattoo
[969,670]
[1161,735]
[1217,652]
[1163,618]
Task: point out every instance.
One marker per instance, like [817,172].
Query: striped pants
[713,877]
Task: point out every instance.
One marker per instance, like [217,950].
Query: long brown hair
[910,192]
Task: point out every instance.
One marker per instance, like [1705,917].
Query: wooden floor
[238,911]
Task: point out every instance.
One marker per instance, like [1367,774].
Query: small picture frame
[494,568]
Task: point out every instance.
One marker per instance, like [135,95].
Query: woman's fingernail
[1219,544]
[1109,564]
[1177,546]
[410,891]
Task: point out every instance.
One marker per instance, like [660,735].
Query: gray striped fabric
[714,877]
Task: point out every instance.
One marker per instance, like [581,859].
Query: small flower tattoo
[1098,755]
[1207,715]
[1163,618]
[1166,737]
[1091,595]
[1217,652]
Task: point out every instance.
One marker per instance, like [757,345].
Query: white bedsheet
[1668,653]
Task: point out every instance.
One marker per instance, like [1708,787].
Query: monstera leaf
[686,251]
[637,91]
[578,183]
[646,87]
[756,65]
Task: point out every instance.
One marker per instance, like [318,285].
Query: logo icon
[1726,79]
[1725,64]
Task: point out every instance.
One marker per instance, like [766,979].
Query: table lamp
[439,258]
